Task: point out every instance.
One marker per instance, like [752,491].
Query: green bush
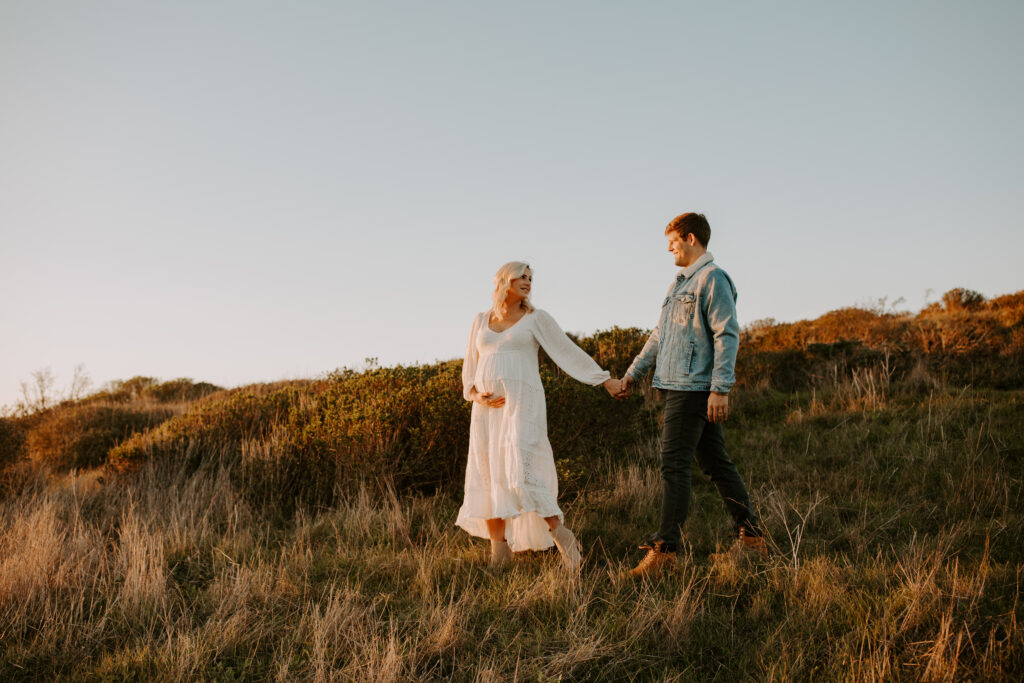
[81,435]
[406,426]
[584,422]
[215,425]
[613,349]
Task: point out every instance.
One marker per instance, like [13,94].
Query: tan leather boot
[754,544]
[655,562]
[501,554]
[568,547]
[744,547]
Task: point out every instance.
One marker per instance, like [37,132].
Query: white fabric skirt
[510,472]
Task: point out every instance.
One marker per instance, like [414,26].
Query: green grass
[894,515]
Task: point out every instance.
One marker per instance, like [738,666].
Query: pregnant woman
[511,486]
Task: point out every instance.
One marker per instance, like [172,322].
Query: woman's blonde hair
[503,282]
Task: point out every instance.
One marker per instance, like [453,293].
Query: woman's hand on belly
[487,398]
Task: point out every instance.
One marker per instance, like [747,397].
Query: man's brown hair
[691,223]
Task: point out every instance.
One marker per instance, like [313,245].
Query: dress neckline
[507,328]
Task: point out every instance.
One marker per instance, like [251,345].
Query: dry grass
[894,519]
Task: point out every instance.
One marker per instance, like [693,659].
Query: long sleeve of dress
[469,362]
[571,358]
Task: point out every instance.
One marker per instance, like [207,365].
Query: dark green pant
[687,432]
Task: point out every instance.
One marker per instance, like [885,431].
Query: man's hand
[613,386]
[486,400]
[718,407]
[627,388]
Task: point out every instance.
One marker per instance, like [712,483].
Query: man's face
[681,249]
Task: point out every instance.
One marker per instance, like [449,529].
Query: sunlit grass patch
[895,555]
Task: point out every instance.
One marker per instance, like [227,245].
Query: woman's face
[520,287]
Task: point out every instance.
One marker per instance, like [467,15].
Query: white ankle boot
[501,553]
[568,547]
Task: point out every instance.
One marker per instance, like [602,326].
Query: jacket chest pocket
[681,307]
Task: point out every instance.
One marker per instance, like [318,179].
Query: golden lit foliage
[964,322]
[82,435]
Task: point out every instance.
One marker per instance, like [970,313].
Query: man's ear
[691,239]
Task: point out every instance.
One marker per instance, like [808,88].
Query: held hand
[627,388]
[613,386]
[486,400]
[718,407]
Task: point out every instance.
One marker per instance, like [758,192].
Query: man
[693,349]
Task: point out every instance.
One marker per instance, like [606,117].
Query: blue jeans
[687,432]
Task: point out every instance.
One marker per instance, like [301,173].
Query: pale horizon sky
[250,191]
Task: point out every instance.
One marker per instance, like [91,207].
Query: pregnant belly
[496,387]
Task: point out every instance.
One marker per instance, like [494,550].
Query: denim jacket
[694,345]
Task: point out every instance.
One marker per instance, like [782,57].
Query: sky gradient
[250,191]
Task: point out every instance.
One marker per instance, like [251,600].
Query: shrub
[407,426]
[584,423]
[960,299]
[81,435]
[296,443]
[12,441]
[965,340]
[1009,311]
[217,424]
[179,390]
[613,349]
[149,388]
[784,370]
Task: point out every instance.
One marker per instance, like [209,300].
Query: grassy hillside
[303,530]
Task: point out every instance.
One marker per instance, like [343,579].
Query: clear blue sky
[246,191]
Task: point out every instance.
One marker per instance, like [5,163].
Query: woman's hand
[487,400]
[620,389]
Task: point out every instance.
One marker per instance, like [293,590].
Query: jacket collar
[689,270]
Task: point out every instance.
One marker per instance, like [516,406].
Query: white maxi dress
[510,473]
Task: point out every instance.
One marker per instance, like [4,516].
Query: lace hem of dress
[524,529]
[480,504]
